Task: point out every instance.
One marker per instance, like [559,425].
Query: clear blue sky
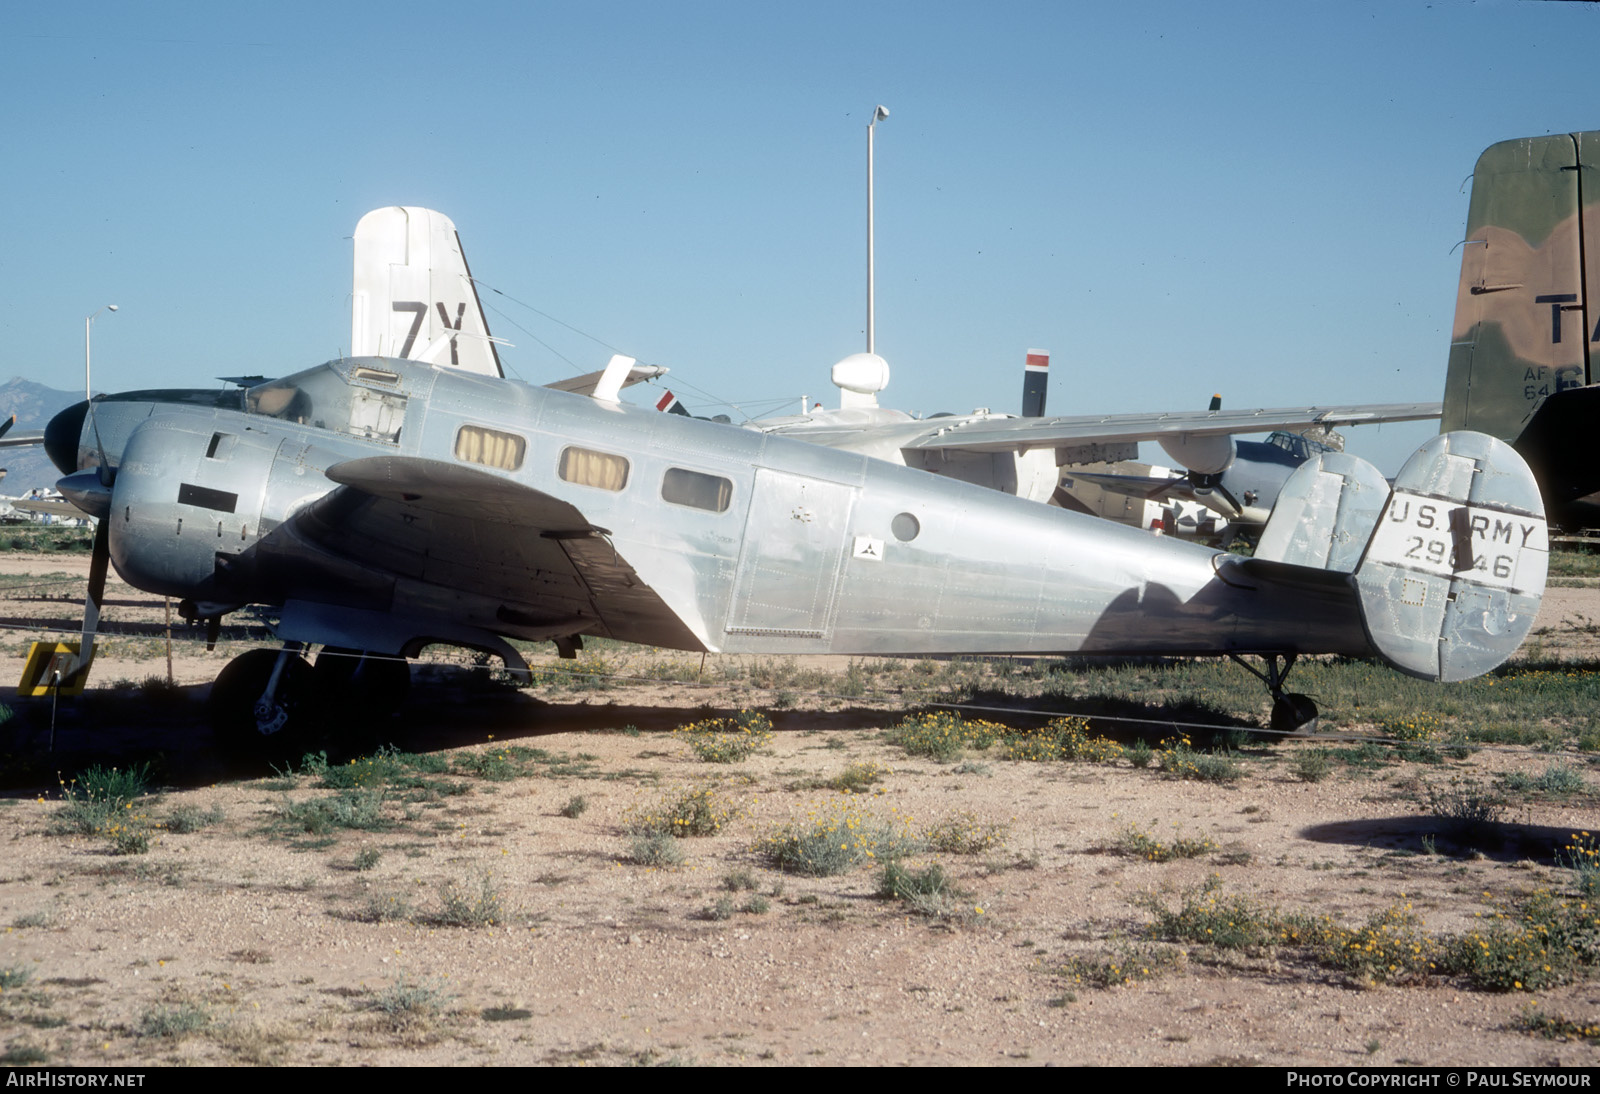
[1173,198]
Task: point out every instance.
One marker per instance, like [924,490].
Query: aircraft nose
[61,437]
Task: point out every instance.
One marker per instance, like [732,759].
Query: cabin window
[696,490]
[490,447]
[587,467]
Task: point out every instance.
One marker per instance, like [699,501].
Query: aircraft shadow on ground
[170,729]
[1114,716]
[1499,841]
[44,742]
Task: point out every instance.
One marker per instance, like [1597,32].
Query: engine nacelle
[1207,454]
[182,496]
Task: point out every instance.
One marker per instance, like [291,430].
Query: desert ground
[481,893]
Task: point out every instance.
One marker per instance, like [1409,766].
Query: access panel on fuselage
[789,566]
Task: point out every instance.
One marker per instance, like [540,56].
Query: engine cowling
[183,495]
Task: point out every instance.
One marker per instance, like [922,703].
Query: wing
[437,548]
[1023,434]
[585,384]
[48,507]
[1148,487]
[9,439]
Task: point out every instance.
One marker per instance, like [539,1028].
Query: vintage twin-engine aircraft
[381,505]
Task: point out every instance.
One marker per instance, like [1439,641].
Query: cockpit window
[1292,443]
[1298,445]
[321,398]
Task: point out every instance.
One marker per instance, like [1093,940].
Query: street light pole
[877,115]
[86,325]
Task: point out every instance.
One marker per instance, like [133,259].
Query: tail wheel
[1294,713]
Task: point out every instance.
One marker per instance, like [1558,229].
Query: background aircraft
[1238,501]
[1522,357]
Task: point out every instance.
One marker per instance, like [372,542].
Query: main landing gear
[275,703]
[1292,712]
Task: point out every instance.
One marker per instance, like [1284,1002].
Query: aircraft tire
[387,682]
[354,693]
[1294,713]
[231,707]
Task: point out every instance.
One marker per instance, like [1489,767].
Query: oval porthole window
[905,527]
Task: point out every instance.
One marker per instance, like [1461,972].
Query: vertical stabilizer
[1035,382]
[1523,349]
[1523,324]
[414,295]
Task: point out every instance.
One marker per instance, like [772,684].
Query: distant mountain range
[34,405]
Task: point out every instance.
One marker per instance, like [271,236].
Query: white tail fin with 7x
[414,296]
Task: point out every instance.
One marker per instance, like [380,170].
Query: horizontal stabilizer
[585,384]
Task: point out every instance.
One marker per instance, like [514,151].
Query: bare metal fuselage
[817,550]
[808,549]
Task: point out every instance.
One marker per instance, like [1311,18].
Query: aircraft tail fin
[414,296]
[1449,565]
[1325,514]
[1035,382]
[1528,304]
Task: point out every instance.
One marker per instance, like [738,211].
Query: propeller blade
[103,470]
[99,561]
[1238,510]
